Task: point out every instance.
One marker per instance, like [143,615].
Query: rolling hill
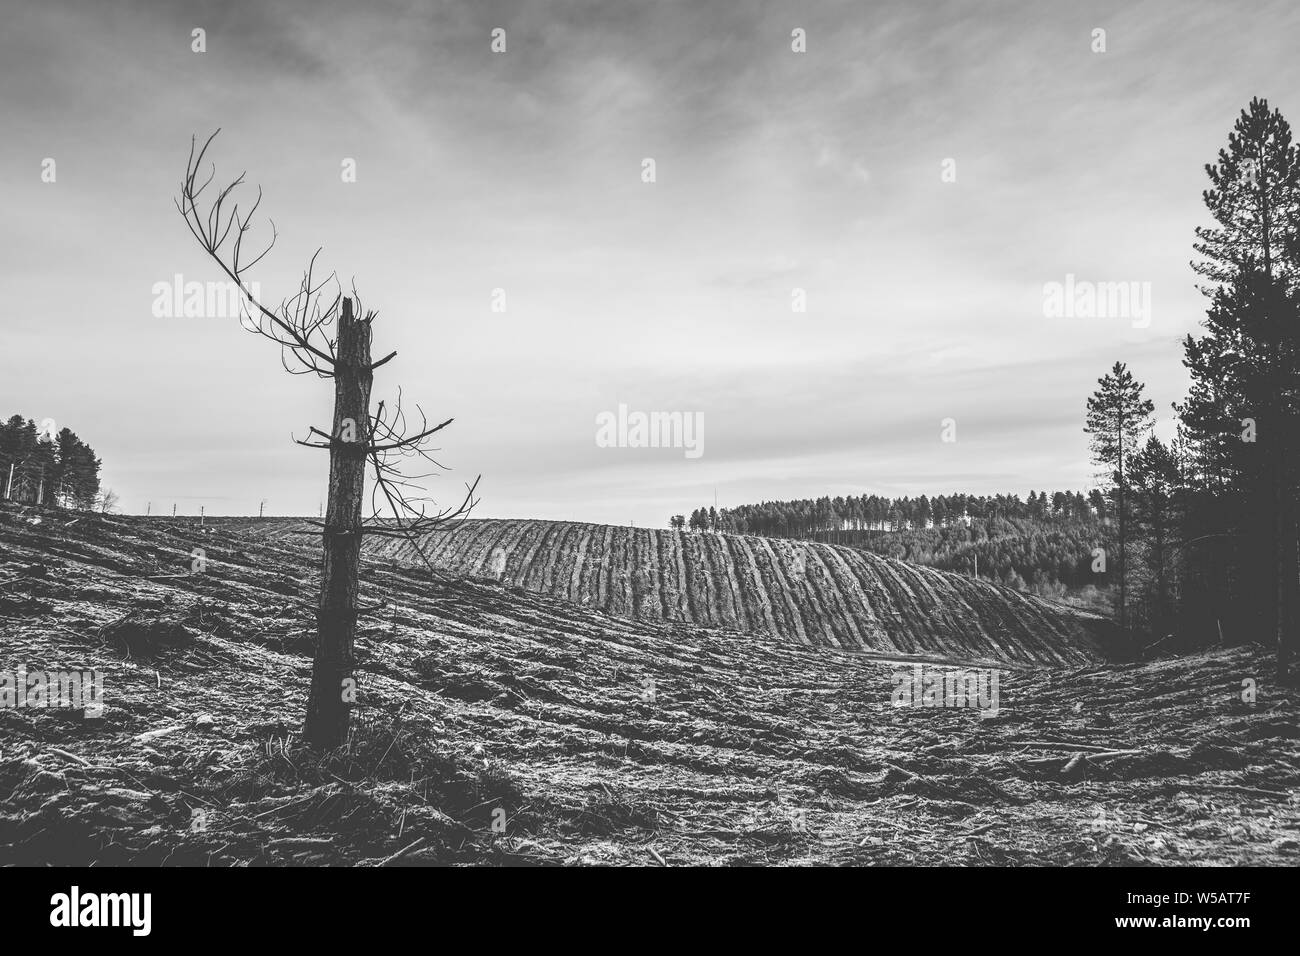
[809,593]
[593,739]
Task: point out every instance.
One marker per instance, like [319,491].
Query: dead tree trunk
[333,684]
[382,441]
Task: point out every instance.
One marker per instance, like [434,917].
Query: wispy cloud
[782,178]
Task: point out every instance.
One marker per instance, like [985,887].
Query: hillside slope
[600,740]
[814,594]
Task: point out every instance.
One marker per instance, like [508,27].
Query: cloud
[521,171]
[830,157]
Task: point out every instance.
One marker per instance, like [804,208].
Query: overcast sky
[522,171]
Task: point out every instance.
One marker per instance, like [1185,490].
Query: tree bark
[1283,536]
[333,683]
[1123,558]
[1284,555]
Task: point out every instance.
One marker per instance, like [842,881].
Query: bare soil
[498,726]
[817,594]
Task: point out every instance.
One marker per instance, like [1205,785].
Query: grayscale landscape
[649,435]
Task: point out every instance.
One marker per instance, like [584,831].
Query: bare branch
[300,324]
[411,513]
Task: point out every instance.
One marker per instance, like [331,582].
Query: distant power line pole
[260,506]
[147,509]
[173,509]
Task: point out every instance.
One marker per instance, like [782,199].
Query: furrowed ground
[591,738]
[816,594]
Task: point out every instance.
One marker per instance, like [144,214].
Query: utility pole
[260,506]
[173,509]
[148,508]
[200,516]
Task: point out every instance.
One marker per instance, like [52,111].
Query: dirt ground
[814,594]
[497,726]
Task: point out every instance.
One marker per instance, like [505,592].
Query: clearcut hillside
[809,593]
[601,740]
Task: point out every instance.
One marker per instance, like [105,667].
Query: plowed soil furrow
[620,572]
[540,555]
[973,613]
[790,579]
[735,591]
[823,599]
[554,574]
[658,569]
[722,582]
[758,612]
[603,568]
[924,631]
[642,580]
[436,546]
[481,551]
[568,574]
[580,581]
[775,586]
[816,594]
[524,551]
[670,576]
[868,570]
[863,630]
[824,590]
[698,582]
[690,560]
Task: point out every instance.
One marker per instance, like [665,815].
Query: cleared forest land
[599,739]
[813,594]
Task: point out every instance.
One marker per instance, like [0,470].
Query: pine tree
[1097,501]
[1155,485]
[1241,413]
[1117,416]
